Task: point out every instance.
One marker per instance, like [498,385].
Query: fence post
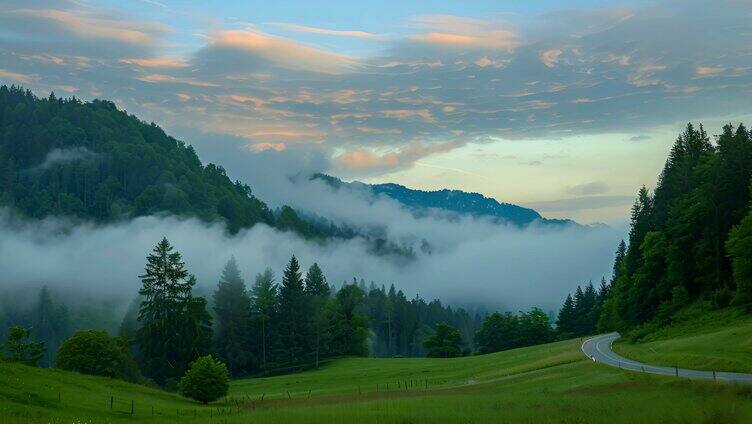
[132,402]
[714,376]
[112,400]
[677,370]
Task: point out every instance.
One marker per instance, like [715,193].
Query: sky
[566,107]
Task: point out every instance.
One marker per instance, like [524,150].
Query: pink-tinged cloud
[331,32]
[15,76]
[371,130]
[287,133]
[500,39]
[407,114]
[464,33]
[87,25]
[157,62]
[708,71]
[367,161]
[644,75]
[161,78]
[550,57]
[284,52]
[277,147]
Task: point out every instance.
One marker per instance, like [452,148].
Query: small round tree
[446,342]
[206,380]
[96,353]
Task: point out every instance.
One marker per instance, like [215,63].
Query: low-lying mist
[476,262]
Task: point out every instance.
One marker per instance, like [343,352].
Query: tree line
[690,239]
[267,328]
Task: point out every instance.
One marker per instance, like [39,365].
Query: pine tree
[293,309]
[621,252]
[175,326]
[232,306]
[588,309]
[566,320]
[50,325]
[315,282]
[317,290]
[264,308]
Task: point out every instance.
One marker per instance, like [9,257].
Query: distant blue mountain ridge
[453,202]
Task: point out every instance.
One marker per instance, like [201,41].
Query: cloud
[360,161]
[330,32]
[95,26]
[15,76]
[581,203]
[255,49]
[708,71]
[463,33]
[64,155]
[158,62]
[77,28]
[160,78]
[588,189]
[550,57]
[641,137]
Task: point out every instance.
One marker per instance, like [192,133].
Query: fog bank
[476,262]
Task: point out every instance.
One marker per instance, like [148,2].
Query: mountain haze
[455,202]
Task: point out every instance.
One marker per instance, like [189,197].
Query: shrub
[18,347]
[206,380]
[97,353]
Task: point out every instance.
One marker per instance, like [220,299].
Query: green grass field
[548,383]
[706,340]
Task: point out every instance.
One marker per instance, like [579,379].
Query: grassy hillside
[698,339]
[548,383]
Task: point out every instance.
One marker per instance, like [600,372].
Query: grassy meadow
[706,340]
[547,383]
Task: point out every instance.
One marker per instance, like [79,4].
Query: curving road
[598,349]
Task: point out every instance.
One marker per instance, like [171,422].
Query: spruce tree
[232,307]
[50,325]
[264,309]
[175,326]
[566,320]
[317,291]
[293,319]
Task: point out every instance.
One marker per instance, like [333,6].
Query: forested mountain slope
[89,160]
[690,239]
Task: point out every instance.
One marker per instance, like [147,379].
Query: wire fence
[235,404]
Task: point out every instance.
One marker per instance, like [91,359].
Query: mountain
[91,161]
[455,202]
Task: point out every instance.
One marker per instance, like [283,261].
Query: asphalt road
[598,349]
